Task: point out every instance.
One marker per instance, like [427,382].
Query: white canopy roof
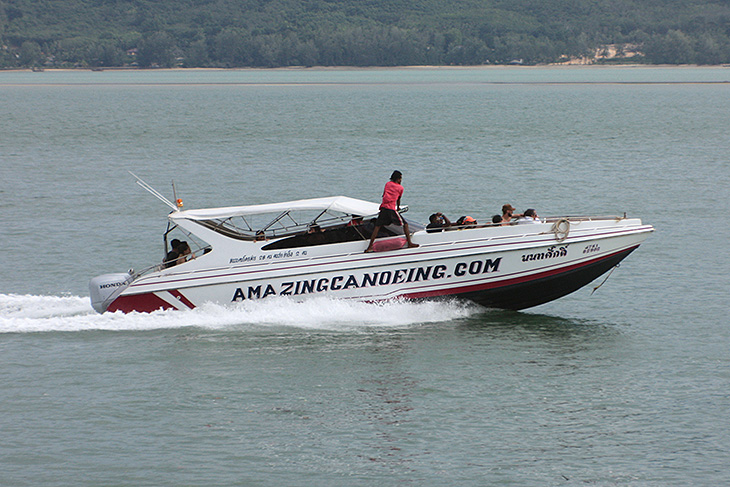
[335,203]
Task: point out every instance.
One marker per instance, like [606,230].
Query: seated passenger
[438,221]
[529,216]
[466,220]
[356,221]
[170,259]
[315,235]
[184,253]
[172,255]
[508,214]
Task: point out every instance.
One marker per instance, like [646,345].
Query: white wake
[27,314]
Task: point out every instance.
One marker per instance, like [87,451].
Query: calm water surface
[627,386]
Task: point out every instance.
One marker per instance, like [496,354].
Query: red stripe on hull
[144,303]
[182,298]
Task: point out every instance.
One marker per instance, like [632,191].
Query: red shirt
[391,195]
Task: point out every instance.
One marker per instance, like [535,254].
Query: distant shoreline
[384,68]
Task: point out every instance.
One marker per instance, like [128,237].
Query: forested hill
[269,33]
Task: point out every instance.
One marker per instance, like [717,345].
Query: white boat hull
[512,267]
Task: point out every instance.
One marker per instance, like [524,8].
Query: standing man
[389,209]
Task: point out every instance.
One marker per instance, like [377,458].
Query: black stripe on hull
[544,289]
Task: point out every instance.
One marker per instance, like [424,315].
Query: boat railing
[551,219]
[162,265]
[548,219]
[560,226]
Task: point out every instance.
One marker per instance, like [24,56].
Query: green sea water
[626,386]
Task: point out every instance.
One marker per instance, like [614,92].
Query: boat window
[174,232]
[356,230]
[327,235]
[173,236]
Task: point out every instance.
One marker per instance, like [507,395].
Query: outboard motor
[105,288]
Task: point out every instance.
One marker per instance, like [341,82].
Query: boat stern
[106,288]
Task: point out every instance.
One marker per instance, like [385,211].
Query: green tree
[673,48]
[196,56]
[713,48]
[157,50]
[233,48]
[30,54]
[105,54]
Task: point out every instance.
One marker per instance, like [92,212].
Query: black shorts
[388,217]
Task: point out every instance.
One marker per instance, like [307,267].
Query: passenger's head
[507,209]
[183,248]
[396,176]
[174,243]
[497,219]
[531,213]
[433,218]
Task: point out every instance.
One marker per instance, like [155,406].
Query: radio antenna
[178,201]
[154,192]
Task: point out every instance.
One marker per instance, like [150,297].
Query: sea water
[627,385]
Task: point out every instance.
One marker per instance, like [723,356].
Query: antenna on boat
[178,201]
[155,193]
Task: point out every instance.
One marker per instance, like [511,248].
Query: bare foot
[413,245]
[368,250]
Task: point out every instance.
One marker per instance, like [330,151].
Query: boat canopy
[341,204]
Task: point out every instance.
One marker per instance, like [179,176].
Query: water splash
[27,313]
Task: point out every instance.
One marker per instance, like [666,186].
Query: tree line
[276,33]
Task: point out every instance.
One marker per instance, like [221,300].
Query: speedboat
[315,247]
